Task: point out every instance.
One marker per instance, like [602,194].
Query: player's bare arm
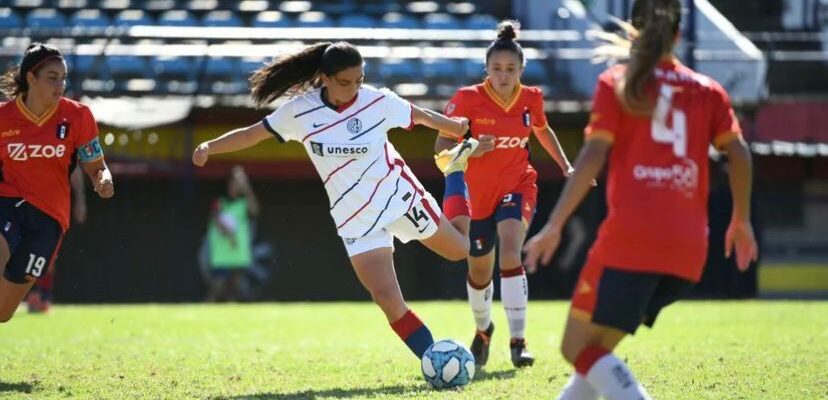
[547,138]
[591,160]
[101,177]
[740,231]
[235,140]
[452,127]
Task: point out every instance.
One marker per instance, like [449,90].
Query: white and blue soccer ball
[447,364]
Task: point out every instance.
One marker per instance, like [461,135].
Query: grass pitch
[699,350]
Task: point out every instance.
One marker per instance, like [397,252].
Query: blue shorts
[33,237]
[483,232]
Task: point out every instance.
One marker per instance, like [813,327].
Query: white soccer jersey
[367,181]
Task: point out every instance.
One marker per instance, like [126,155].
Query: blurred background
[163,75]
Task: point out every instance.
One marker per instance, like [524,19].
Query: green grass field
[699,350]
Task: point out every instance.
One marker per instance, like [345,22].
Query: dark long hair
[14,81]
[657,23]
[298,72]
[506,35]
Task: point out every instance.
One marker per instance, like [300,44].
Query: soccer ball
[447,363]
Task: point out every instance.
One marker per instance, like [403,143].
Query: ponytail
[299,72]
[657,23]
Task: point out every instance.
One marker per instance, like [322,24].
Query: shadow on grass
[22,387]
[396,390]
[330,393]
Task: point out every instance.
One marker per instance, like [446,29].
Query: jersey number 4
[675,135]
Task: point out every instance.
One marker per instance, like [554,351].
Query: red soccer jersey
[658,171]
[500,171]
[36,153]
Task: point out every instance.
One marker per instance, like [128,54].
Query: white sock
[614,380]
[480,301]
[578,389]
[514,294]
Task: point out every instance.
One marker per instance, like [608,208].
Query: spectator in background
[230,238]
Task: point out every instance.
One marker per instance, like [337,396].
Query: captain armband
[90,151]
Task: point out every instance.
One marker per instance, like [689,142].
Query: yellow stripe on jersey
[505,105]
[724,138]
[600,134]
[39,121]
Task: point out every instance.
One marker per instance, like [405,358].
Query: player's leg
[479,286]
[373,260]
[513,215]
[607,304]
[451,240]
[39,299]
[10,292]
[514,287]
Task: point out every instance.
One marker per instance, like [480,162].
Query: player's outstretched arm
[450,127]
[235,140]
[547,138]
[542,246]
[740,231]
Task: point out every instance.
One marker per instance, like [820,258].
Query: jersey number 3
[675,135]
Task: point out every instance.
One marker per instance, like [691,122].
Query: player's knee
[510,260]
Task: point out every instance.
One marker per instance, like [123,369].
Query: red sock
[588,357]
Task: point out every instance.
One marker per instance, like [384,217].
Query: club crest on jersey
[62,130]
[339,149]
[450,108]
[354,126]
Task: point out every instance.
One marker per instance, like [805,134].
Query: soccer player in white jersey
[374,197]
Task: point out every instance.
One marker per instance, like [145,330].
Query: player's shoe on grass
[456,158]
[520,356]
[37,304]
[480,345]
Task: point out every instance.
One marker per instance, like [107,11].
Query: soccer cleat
[520,356]
[480,345]
[456,158]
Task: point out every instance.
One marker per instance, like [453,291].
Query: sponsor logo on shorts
[339,149]
[350,241]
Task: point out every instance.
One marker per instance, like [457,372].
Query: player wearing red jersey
[501,182]
[654,119]
[41,135]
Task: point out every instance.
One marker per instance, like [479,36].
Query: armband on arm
[90,151]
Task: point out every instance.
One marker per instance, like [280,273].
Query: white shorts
[420,222]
